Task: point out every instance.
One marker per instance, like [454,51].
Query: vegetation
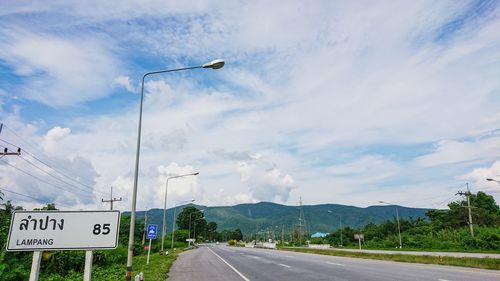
[446,230]
[485,263]
[265,216]
[69,265]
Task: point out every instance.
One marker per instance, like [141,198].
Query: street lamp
[194,226]
[340,225]
[189,234]
[399,227]
[173,221]
[215,64]
[165,205]
[497,181]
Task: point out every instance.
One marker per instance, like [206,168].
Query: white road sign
[63,230]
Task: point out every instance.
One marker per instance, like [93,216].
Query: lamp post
[216,64]
[340,225]
[165,205]
[399,227]
[189,234]
[173,221]
[194,227]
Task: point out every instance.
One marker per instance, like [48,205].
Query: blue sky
[332,101]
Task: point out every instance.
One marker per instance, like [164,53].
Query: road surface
[223,263]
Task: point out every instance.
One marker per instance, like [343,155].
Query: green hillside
[264,216]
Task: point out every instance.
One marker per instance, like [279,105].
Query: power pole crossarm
[111,200]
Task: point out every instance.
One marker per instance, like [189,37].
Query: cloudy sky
[333,101]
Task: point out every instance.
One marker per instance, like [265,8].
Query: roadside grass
[484,263]
[156,270]
[406,249]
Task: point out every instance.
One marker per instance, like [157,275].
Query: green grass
[484,263]
[156,270]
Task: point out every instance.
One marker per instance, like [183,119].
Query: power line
[68,183]
[34,198]
[44,163]
[34,148]
[44,181]
[37,167]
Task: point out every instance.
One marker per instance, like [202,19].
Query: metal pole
[164,215]
[149,251]
[173,228]
[87,273]
[399,229]
[189,234]
[341,242]
[130,253]
[35,265]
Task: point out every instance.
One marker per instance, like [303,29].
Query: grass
[156,270]
[484,263]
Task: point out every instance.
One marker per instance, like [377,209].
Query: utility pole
[283,235]
[467,195]
[111,200]
[145,226]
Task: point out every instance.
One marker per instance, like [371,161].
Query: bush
[231,242]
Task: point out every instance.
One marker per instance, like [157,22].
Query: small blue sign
[151,233]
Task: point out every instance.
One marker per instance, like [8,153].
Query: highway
[220,262]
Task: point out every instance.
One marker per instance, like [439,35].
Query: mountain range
[264,216]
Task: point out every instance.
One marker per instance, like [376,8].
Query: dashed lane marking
[232,267]
[284,265]
[339,264]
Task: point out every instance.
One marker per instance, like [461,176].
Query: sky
[342,102]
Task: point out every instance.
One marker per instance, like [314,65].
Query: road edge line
[232,267]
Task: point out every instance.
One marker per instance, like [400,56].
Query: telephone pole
[145,226]
[467,195]
[111,200]
[6,150]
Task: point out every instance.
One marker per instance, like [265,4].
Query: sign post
[38,231]
[87,273]
[151,234]
[359,237]
[35,265]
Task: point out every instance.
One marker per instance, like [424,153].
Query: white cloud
[478,178]
[348,79]
[451,151]
[124,81]
[61,71]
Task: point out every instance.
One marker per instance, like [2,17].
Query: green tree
[191,215]
[211,230]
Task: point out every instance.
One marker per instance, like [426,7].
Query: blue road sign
[152,230]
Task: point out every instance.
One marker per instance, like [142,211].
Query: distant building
[319,235]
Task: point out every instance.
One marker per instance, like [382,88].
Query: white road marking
[289,256]
[443,280]
[284,265]
[334,263]
[234,269]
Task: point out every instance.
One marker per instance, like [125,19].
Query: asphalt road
[246,264]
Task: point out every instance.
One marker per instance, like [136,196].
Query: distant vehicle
[217,243]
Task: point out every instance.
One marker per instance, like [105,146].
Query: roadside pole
[149,251]
[87,273]
[152,230]
[35,265]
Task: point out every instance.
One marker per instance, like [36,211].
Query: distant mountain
[266,215]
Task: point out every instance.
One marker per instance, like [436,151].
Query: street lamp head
[215,64]
[197,173]
[490,179]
